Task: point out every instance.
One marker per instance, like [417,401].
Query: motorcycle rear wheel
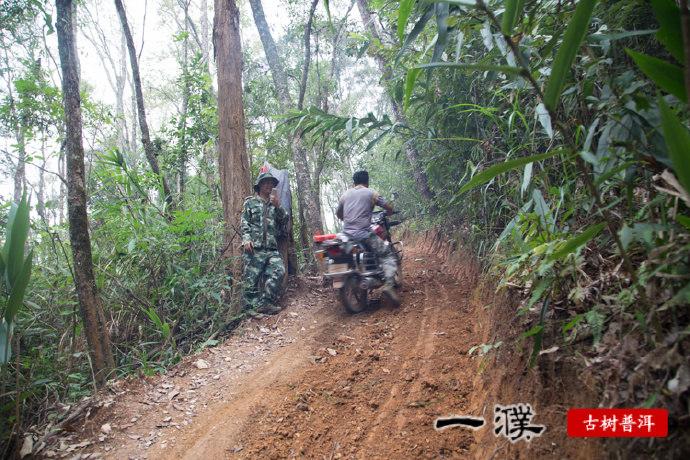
[353,298]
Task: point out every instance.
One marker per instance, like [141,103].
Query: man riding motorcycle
[355,209]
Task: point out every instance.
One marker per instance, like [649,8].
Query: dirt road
[311,382]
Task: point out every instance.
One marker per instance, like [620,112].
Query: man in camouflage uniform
[261,218]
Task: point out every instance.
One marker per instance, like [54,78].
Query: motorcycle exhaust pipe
[369,283]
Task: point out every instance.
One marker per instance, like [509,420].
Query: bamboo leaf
[678,143]
[576,242]
[442,28]
[418,28]
[508,70]
[538,338]
[667,76]
[572,323]
[377,140]
[501,168]
[574,34]
[403,14]
[410,80]
[511,16]
[670,32]
[328,12]
[534,330]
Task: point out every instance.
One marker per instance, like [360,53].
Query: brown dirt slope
[316,382]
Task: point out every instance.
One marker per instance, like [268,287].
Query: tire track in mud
[362,386]
[424,342]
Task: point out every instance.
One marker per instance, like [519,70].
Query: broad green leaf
[574,34]
[576,242]
[501,168]
[458,47]
[670,32]
[544,119]
[348,129]
[626,234]
[404,13]
[678,143]
[684,220]
[604,177]
[14,257]
[14,303]
[410,80]
[667,76]
[5,343]
[526,178]
[165,330]
[511,16]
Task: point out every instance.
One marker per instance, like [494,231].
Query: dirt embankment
[316,382]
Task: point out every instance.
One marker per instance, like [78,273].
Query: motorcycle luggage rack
[369,262]
[397,251]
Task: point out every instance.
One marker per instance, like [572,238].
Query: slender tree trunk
[41,208]
[133,139]
[311,207]
[143,125]
[412,154]
[283,94]
[185,106]
[232,150]
[90,308]
[20,170]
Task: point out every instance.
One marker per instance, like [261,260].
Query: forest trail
[311,382]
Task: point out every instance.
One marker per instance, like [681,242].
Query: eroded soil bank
[316,382]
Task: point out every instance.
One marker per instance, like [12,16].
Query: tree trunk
[232,150]
[143,125]
[412,154]
[90,309]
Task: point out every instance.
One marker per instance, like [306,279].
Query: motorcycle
[353,267]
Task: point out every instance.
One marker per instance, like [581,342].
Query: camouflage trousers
[389,261]
[269,263]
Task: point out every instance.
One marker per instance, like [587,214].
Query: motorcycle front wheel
[397,281]
[353,298]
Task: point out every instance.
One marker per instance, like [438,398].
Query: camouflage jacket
[260,222]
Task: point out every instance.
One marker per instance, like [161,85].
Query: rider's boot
[389,291]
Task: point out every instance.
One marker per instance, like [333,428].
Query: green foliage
[540,138]
[15,270]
